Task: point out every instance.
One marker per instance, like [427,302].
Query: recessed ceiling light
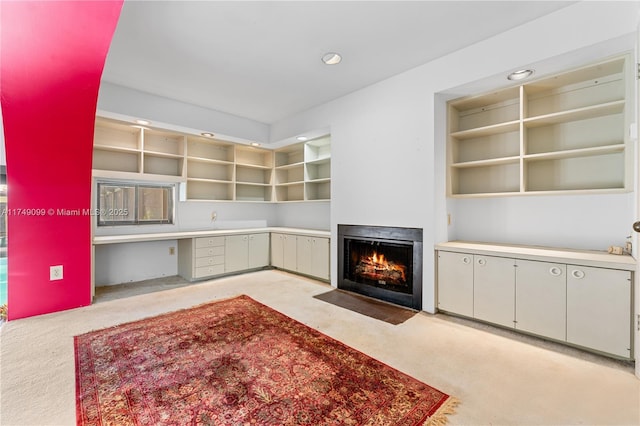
[207,134]
[302,138]
[143,122]
[520,74]
[331,58]
[255,144]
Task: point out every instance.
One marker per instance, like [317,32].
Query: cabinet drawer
[209,261]
[209,242]
[210,251]
[206,271]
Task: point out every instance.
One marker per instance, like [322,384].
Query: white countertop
[548,254]
[134,238]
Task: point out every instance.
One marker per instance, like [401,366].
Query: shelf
[494,129]
[317,149]
[114,134]
[572,135]
[289,156]
[575,173]
[500,108]
[576,153]
[208,190]
[248,156]
[318,190]
[221,172]
[205,149]
[591,111]
[253,192]
[485,163]
[163,142]
[213,169]
[120,161]
[291,192]
[245,174]
[162,165]
[290,166]
[288,175]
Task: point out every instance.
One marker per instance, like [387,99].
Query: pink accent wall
[52,54]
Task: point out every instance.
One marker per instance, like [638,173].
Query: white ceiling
[261,60]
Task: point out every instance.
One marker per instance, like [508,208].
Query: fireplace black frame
[383,234]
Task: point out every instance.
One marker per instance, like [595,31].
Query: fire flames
[377,267]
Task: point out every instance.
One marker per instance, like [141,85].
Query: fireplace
[381,262]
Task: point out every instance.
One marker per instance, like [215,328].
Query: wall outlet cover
[55,273]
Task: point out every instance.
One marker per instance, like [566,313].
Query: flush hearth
[381,262]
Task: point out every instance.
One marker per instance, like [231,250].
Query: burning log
[376,267]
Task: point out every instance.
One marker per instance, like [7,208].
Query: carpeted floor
[501,378]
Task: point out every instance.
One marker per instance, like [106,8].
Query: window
[134,203]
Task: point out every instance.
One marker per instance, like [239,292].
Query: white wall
[128,102]
[387,139]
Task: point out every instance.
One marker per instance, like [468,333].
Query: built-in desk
[205,254]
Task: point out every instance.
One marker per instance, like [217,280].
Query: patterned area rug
[239,362]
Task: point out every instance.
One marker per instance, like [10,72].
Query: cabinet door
[303,254]
[320,258]
[541,297]
[289,252]
[277,250]
[455,282]
[258,250]
[599,309]
[494,289]
[236,256]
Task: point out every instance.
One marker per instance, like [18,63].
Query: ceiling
[262,60]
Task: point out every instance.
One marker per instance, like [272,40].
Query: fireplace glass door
[379,264]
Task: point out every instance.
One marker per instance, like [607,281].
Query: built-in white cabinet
[599,308]
[493,289]
[455,282]
[213,169]
[540,295]
[579,297]
[284,251]
[545,136]
[200,258]
[308,255]
[312,254]
[243,252]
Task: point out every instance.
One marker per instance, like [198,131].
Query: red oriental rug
[239,362]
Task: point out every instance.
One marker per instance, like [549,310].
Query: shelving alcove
[213,169]
[565,133]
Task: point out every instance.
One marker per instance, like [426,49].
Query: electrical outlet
[55,273]
[172,251]
[214,216]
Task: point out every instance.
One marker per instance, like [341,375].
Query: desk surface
[135,238]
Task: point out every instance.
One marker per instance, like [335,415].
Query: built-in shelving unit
[559,134]
[213,170]
[303,171]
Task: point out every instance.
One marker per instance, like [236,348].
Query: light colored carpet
[501,379]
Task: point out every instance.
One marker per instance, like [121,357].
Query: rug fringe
[439,418]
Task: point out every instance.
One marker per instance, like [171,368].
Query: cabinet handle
[555,271]
[482,262]
[578,274]
[466,260]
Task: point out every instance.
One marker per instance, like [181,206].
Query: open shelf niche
[560,134]
[212,169]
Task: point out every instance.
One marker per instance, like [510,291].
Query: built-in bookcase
[564,133]
[303,171]
[213,170]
